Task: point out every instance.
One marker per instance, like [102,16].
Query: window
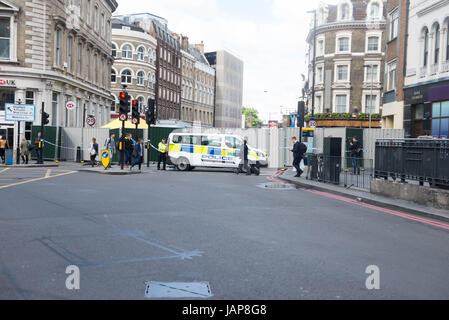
[340,103]
[95,68]
[374,11]
[80,7]
[5,38]
[126,77]
[343,44]
[88,64]
[114,51]
[89,12]
[447,41]
[370,103]
[426,47]
[58,40]
[96,19]
[373,44]
[344,12]
[29,98]
[79,57]
[342,73]
[54,108]
[437,44]
[209,141]
[69,53]
[440,119]
[320,74]
[318,102]
[391,76]
[320,48]
[113,76]
[103,26]
[141,53]
[127,52]
[140,78]
[372,73]
[394,25]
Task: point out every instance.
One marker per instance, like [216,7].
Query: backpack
[302,148]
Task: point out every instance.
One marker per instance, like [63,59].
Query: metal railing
[420,160]
[346,171]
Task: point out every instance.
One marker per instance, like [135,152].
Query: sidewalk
[50,164]
[366,197]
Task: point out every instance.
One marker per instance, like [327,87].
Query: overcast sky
[268,35]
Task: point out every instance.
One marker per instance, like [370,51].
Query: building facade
[426,84]
[134,51]
[395,53]
[53,52]
[228,88]
[349,57]
[188,83]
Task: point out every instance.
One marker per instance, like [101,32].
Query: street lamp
[371,67]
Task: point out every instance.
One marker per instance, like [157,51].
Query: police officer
[39,145]
[162,154]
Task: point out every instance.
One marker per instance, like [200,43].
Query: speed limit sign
[90,121]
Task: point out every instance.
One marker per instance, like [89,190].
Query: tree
[253,114]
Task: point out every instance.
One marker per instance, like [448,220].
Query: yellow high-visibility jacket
[162,147]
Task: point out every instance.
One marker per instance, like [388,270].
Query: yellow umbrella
[117,124]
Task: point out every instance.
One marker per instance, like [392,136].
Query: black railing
[349,172]
[421,160]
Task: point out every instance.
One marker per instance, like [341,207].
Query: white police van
[188,150]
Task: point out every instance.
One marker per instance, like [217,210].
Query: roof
[195,52]
[163,33]
[119,24]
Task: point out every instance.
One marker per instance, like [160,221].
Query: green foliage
[255,115]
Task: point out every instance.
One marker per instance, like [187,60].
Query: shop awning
[117,124]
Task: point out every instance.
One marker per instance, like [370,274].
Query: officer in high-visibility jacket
[162,154]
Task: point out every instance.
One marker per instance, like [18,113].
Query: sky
[268,35]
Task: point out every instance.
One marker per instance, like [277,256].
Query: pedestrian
[4,144]
[25,147]
[299,149]
[356,153]
[93,152]
[39,146]
[138,155]
[244,158]
[111,146]
[162,157]
[129,149]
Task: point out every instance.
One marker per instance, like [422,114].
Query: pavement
[248,237]
[365,196]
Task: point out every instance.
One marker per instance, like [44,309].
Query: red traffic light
[122,95]
[134,103]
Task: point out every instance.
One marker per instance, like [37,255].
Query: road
[247,241]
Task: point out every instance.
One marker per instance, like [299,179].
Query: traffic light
[301,114]
[135,112]
[45,119]
[150,113]
[124,104]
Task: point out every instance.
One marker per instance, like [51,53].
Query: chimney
[200,47]
[185,43]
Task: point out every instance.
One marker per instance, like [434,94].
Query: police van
[187,151]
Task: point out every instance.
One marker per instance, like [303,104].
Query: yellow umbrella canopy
[117,124]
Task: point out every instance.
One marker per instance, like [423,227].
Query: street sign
[123,117]
[312,124]
[90,121]
[105,158]
[20,112]
[70,105]
[135,121]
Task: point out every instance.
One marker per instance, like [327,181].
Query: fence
[349,172]
[413,159]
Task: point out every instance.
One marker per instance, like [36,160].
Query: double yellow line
[47,176]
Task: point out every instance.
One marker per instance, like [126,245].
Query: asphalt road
[248,242]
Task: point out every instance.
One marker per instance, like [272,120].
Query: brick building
[53,52]
[349,57]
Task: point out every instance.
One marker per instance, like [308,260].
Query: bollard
[78,155]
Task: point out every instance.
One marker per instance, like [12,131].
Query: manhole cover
[277,186]
[178,290]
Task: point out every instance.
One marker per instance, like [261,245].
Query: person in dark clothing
[244,151]
[93,152]
[298,150]
[39,145]
[138,155]
[4,144]
[162,156]
[356,150]
[129,149]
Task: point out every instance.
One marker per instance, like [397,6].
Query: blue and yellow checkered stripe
[204,150]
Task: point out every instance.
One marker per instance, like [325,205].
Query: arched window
[127,52]
[437,44]
[126,77]
[374,10]
[140,103]
[141,53]
[113,76]
[344,12]
[114,50]
[140,78]
[426,47]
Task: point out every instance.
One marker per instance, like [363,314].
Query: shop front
[426,111]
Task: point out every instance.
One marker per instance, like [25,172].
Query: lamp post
[371,67]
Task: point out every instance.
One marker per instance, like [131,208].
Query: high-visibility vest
[162,147]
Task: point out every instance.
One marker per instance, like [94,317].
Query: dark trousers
[161,158]
[356,165]
[39,156]
[25,159]
[2,154]
[92,160]
[127,157]
[296,163]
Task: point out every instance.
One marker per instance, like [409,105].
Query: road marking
[4,170]
[37,179]
[48,173]
[372,207]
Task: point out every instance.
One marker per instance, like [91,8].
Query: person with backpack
[110,145]
[93,152]
[138,155]
[356,153]
[299,149]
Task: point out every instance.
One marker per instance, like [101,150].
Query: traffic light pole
[122,147]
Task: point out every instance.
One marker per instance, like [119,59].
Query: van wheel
[183,164]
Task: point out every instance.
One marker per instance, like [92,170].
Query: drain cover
[277,186]
[178,290]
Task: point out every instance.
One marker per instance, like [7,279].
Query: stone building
[228,88]
[188,83]
[349,57]
[53,52]
[134,51]
[426,83]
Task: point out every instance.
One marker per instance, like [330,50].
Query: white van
[188,150]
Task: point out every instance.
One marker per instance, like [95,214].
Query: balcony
[445,66]
[422,72]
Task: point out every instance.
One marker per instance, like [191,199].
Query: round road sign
[312,124]
[90,121]
[135,121]
[123,117]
